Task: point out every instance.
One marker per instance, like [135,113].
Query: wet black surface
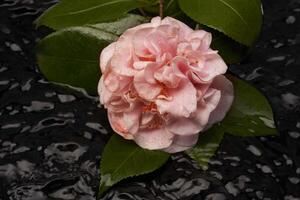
[51,137]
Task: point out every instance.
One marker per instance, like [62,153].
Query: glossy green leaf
[122,159]
[240,20]
[207,145]
[250,114]
[71,56]
[81,12]
[231,51]
[121,25]
[171,8]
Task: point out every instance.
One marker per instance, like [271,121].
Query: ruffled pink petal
[213,67]
[149,72]
[156,21]
[183,126]
[104,94]
[182,143]
[158,44]
[183,29]
[122,60]
[153,67]
[180,64]
[222,84]
[204,37]
[126,123]
[144,89]
[167,75]
[154,139]
[140,49]
[116,83]
[210,101]
[140,65]
[183,100]
[106,55]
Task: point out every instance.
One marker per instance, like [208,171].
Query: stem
[142,12]
[161,8]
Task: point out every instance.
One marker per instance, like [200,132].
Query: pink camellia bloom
[162,85]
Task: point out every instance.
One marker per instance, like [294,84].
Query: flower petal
[209,104]
[144,89]
[227,95]
[182,100]
[214,66]
[122,60]
[125,124]
[167,76]
[157,44]
[153,139]
[183,29]
[183,126]
[140,49]
[106,55]
[182,143]
[204,37]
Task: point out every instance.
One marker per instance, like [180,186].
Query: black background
[51,137]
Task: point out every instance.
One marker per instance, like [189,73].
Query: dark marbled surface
[51,137]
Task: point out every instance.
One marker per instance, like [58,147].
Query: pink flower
[162,85]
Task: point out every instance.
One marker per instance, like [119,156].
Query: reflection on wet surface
[51,137]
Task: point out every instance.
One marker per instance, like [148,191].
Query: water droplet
[7,126]
[290,20]
[294,135]
[215,196]
[276,58]
[97,127]
[15,47]
[39,106]
[254,150]
[290,101]
[4,82]
[21,149]
[255,74]
[230,187]
[269,123]
[286,82]
[235,158]
[66,98]
[294,180]
[27,85]
[87,135]
[266,169]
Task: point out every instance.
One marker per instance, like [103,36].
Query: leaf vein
[91,8]
[236,12]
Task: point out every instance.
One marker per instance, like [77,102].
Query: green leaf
[231,51]
[240,20]
[171,8]
[81,12]
[71,56]
[121,25]
[250,114]
[207,145]
[122,159]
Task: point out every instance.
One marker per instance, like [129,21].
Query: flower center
[151,107]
